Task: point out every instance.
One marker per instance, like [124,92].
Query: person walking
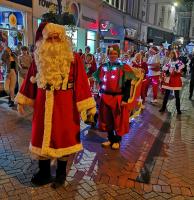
[171,74]
[154,71]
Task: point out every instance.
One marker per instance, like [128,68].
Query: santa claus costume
[115,82]
[171,75]
[57,87]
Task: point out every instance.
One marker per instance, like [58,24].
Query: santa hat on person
[46,29]
[39,35]
[154,49]
[113,47]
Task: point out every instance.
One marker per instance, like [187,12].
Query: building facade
[191,34]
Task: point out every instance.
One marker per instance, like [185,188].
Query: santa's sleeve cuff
[21,99]
[86,104]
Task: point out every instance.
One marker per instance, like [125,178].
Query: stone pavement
[156,159]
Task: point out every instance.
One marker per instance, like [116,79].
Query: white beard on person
[53,60]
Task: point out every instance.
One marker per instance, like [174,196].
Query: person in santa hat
[57,87]
[154,71]
[139,63]
[114,79]
[172,81]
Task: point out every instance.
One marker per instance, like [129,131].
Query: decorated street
[155,160]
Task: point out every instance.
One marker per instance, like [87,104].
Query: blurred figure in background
[100,57]
[192,77]
[172,73]
[139,63]
[24,62]
[80,52]
[154,71]
[10,81]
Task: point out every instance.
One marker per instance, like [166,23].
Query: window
[91,40]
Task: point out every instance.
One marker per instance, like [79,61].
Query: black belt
[70,85]
[111,93]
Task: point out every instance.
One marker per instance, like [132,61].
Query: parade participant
[80,52]
[191,87]
[90,65]
[154,71]
[126,58]
[139,63]
[24,62]
[172,73]
[9,60]
[100,57]
[115,80]
[57,87]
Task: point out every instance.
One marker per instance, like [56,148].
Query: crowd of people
[60,85]
[14,65]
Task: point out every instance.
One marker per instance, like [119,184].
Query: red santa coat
[171,75]
[56,119]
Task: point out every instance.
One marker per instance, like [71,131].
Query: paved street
[156,159]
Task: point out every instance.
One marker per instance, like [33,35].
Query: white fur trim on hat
[51,28]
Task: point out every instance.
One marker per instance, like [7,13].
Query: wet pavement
[156,159]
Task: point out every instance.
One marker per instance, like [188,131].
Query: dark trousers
[113,138]
[191,88]
[166,96]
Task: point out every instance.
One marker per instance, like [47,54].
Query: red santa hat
[113,47]
[154,49]
[39,34]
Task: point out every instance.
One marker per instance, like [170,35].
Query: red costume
[115,82]
[56,119]
[145,82]
[171,75]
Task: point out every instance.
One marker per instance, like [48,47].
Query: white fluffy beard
[53,60]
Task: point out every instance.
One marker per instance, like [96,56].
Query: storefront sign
[109,29]
[42,6]
[47,4]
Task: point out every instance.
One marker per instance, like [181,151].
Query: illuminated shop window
[91,40]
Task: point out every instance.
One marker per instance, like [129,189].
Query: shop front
[15,23]
[15,27]
[111,29]
[87,31]
[157,37]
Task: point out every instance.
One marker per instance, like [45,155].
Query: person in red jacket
[57,87]
[139,63]
[171,76]
[114,79]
